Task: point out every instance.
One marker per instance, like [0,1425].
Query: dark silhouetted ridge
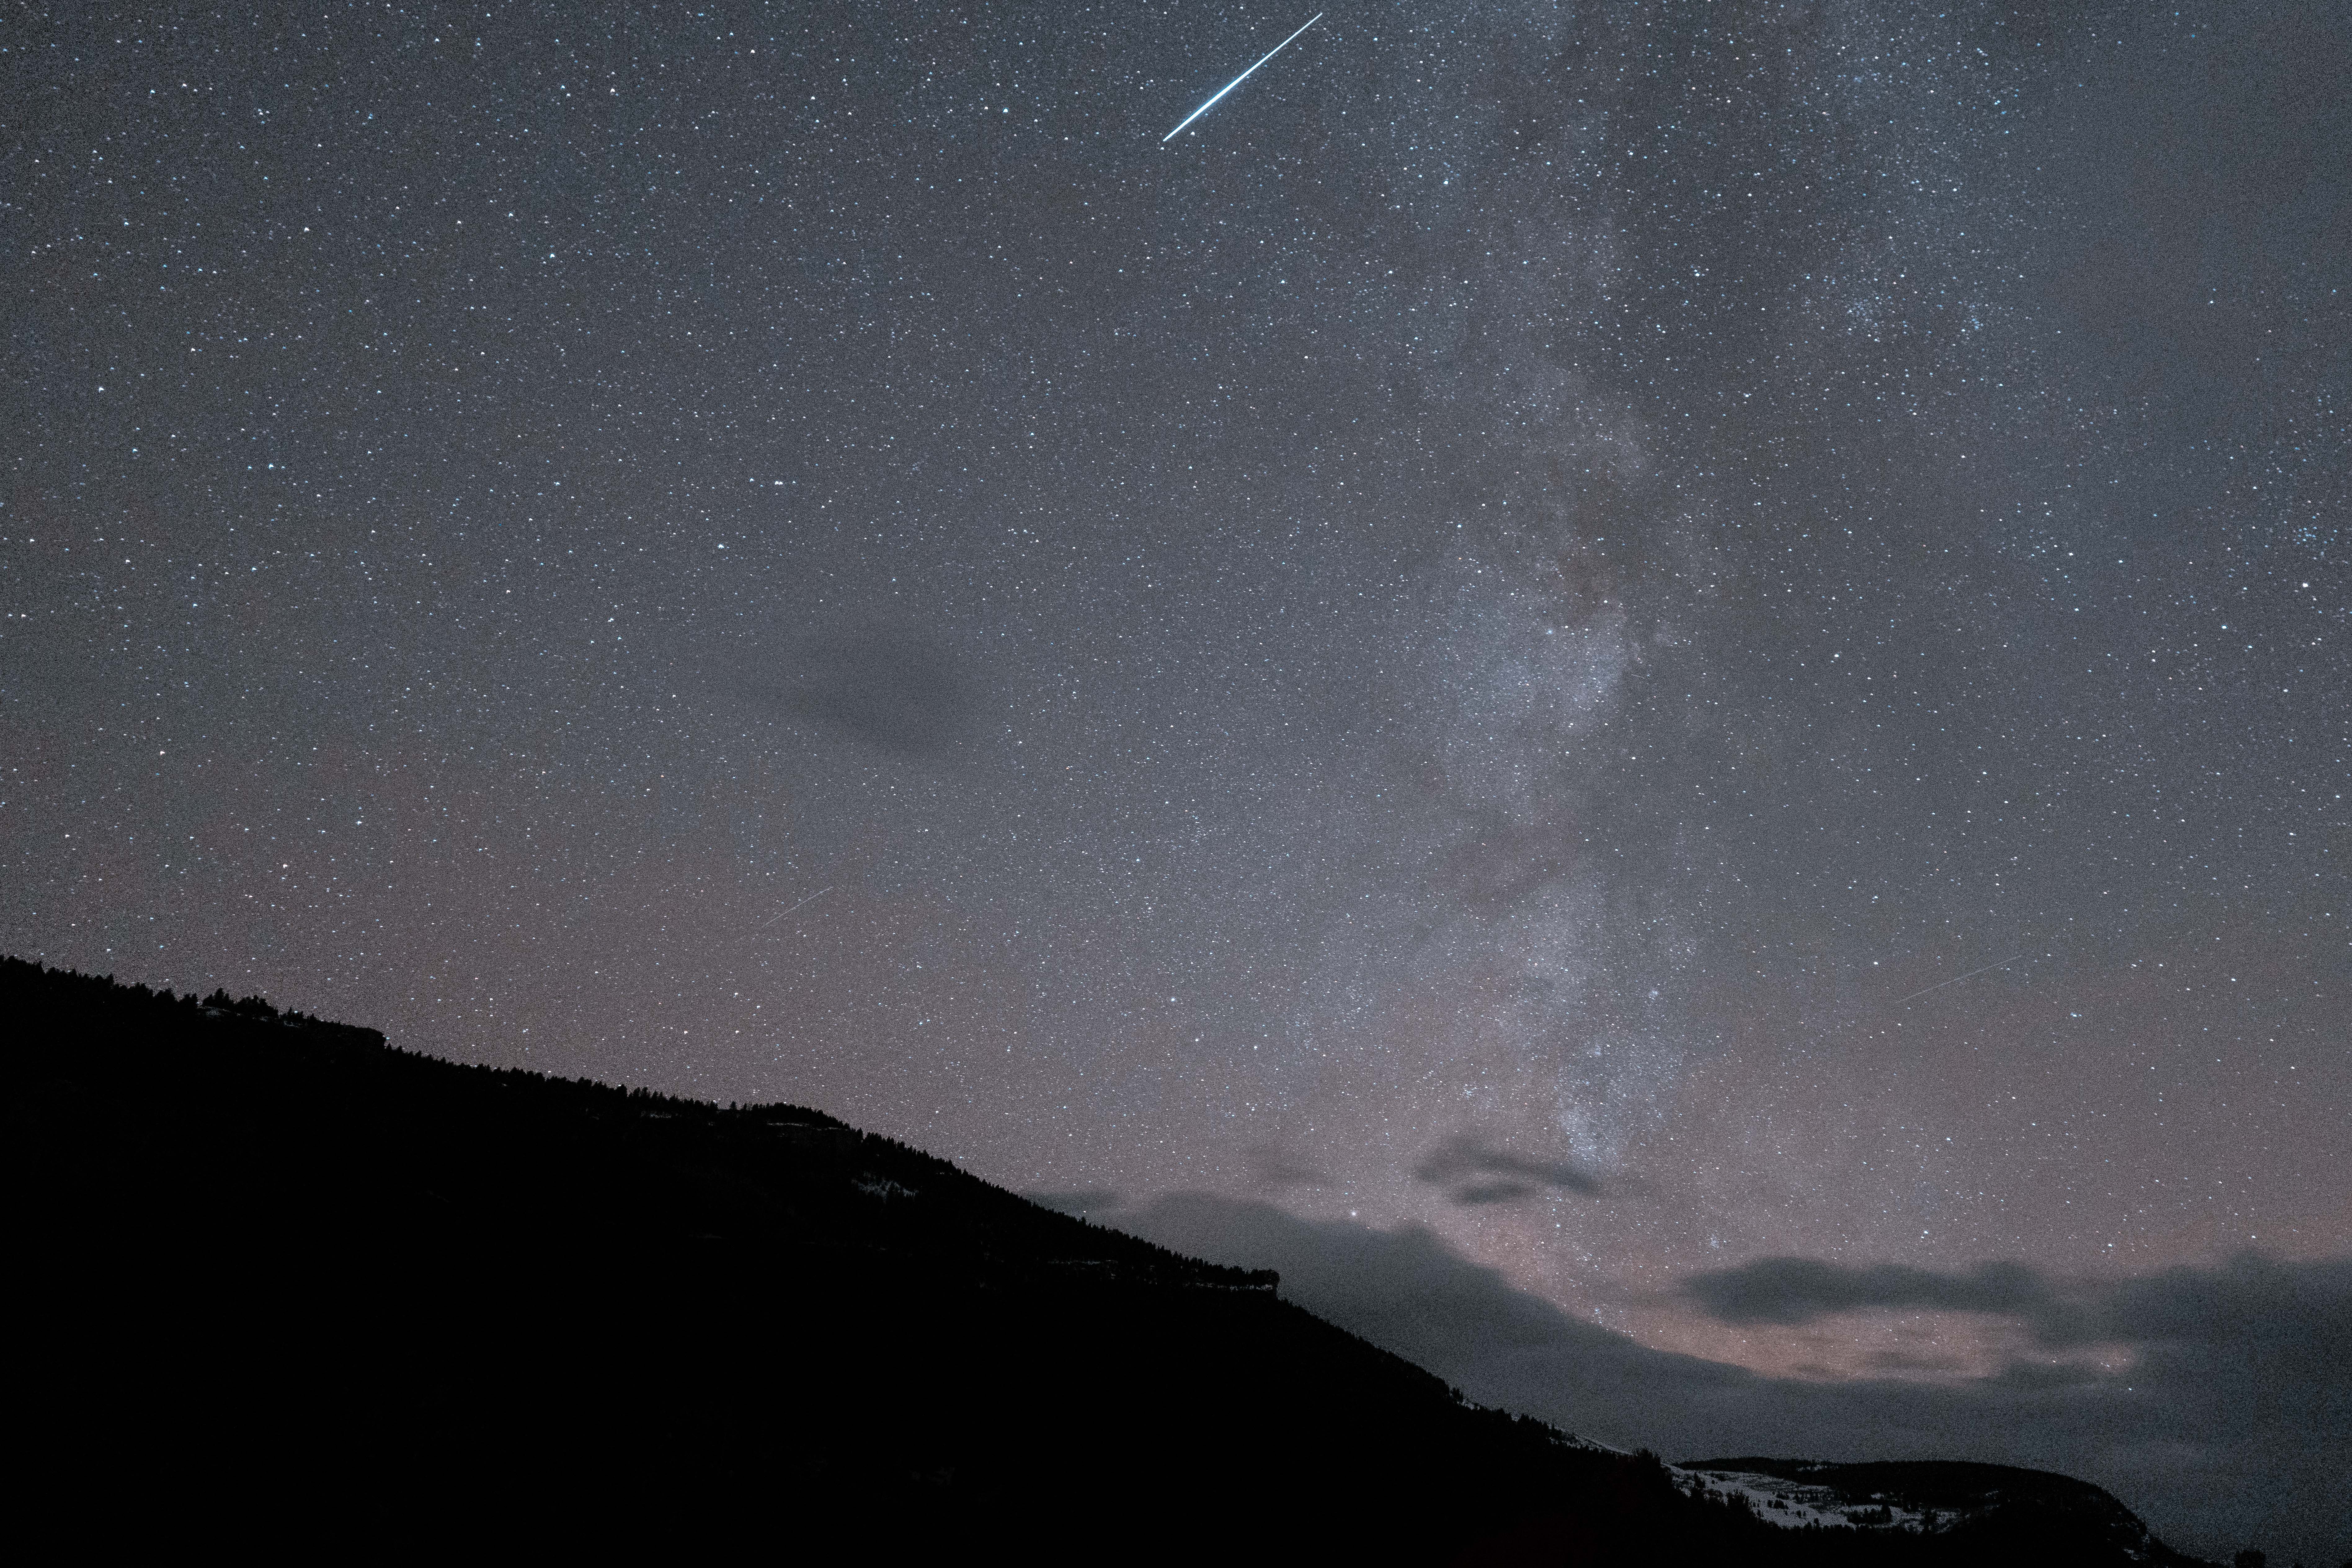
[291,1288]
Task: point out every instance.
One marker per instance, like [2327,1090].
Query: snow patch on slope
[1796,1504]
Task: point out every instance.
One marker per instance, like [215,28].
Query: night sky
[1650,689]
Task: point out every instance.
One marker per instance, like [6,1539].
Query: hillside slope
[1960,1500]
[290,1283]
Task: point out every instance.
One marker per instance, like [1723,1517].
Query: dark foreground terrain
[292,1289]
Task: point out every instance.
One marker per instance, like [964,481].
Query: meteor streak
[1238,81]
[1956,979]
[802,904]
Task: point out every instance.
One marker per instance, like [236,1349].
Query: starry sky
[1658,687]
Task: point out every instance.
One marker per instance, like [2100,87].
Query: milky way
[1647,637]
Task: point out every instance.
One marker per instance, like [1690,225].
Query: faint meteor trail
[1956,979]
[1863,1015]
[812,898]
[1239,80]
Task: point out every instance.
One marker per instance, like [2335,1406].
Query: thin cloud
[2231,1422]
[1789,1290]
[895,689]
[1271,1167]
[1494,1175]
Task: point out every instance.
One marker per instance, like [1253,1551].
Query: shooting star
[1956,979]
[1238,81]
[812,898]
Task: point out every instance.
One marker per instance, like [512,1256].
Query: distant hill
[1992,1507]
[295,1290]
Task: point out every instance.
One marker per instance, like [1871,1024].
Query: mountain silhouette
[292,1288]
